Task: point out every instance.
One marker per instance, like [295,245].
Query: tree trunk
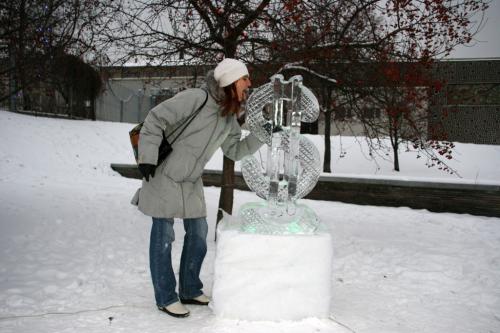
[227,188]
[70,108]
[396,158]
[27,104]
[328,153]
[21,66]
[328,124]
[227,181]
[12,80]
[395,145]
[92,109]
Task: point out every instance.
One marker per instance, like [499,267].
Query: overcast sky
[487,44]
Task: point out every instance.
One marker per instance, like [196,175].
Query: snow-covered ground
[74,252]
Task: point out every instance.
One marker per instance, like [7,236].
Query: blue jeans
[160,259]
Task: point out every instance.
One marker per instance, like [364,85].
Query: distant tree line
[49,46]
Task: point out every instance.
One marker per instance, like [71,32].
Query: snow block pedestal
[271,277]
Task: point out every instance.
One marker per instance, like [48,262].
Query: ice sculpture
[274,114]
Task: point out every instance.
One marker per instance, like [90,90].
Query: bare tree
[35,33]
[364,44]
[186,32]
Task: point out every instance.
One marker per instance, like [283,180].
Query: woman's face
[242,86]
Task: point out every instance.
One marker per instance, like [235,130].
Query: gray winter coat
[176,190]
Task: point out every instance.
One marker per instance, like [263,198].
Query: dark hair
[230,104]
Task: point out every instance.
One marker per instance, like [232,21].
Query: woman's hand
[147,170]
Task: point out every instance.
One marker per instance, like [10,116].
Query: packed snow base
[279,277]
[74,252]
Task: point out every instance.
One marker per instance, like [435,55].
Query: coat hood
[213,88]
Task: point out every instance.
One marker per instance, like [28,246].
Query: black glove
[277,129]
[147,170]
[268,127]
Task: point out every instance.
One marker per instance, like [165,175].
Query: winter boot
[200,300]
[175,310]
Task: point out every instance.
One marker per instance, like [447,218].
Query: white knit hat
[228,71]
